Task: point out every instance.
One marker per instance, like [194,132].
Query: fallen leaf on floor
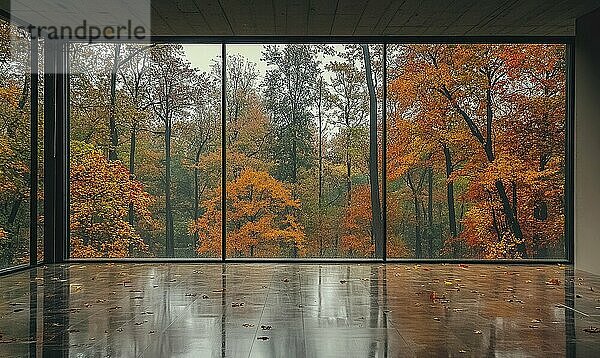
[533,326]
[119,329]
[536,321]
[553,282]
[190,295]
[592,329]
[477,332]
[18,309]
[285,280]
[151,332]
[247,325]
[237,304]
[448,283]
[262,338]
[463,265]
[265,327]
[204,297]
[436,318]
[343,281]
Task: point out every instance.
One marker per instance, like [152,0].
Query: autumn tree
[289,93]
[100,194]
[260,219]
[173,80]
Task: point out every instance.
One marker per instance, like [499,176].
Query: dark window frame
[56,126]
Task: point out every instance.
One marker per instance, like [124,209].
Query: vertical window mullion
[33,172]
[384,155]
[223,152]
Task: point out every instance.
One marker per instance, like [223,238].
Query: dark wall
[587,143]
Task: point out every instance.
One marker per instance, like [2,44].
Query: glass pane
[144,156]
[298,164]
[475,151]
[15,148]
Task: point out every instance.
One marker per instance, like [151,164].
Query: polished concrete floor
[299,310]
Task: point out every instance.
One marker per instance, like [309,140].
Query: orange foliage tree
[101,192]
[501,110]
[260,220]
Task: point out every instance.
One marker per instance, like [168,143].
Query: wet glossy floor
[299,310]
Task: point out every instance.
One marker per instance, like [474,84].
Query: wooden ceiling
[368,17]
[364,17]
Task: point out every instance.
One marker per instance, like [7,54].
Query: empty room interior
[299,178]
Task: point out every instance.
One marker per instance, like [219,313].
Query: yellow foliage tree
[260,219]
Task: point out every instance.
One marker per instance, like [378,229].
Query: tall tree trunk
[170,247]
[486,142]
[418,250]
[450,197]
[196,238]
[320,143]
[348,161]
[320,216]
[131,213]
[430,212]
[373,158]
[294,169]
[112,124]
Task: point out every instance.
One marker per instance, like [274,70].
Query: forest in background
[474,167]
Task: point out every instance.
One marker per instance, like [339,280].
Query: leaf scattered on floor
[247,325]
[262,338]
[553,282]
[237,304]
[592,329]
[477,332]
[204,297]
[190,295]
[265,327]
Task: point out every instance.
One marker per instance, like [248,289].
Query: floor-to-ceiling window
[145,145]
[15,150]
[473,151]
[476,151]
